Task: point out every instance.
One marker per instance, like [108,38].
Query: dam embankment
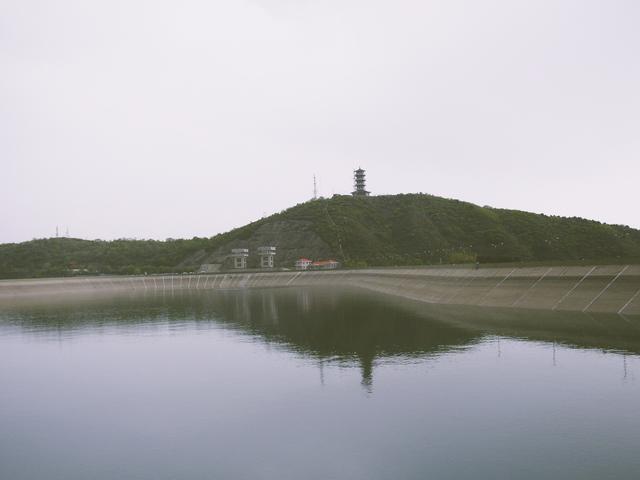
[607,289]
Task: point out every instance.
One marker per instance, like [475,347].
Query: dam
[597,288]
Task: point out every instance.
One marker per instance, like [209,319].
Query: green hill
[410,229]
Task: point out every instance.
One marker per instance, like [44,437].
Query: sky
[173,119]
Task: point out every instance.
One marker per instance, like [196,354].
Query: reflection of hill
[332,324]
[329,324]
[326,324]
[601,331]
[322,324]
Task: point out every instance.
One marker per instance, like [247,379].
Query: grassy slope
[406,229]
[382,230]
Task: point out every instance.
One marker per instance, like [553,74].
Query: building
[209,268]
[303,264]
[239,256]
[267,256]
[325,265]
[359,187]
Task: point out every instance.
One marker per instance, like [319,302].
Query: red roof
[301,259]
[324,262]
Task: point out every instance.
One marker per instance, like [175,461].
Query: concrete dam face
[605,289]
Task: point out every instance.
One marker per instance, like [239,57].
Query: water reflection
[266,384]
[329,326]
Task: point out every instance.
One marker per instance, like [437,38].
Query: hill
[409,229]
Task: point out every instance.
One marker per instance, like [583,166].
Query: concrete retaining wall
[610,288]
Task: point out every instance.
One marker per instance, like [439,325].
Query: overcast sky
[156,119]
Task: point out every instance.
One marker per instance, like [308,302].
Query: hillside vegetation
[410,229]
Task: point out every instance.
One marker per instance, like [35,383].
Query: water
[313,384]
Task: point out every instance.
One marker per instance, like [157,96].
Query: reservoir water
[313,384]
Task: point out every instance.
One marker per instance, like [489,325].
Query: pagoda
[359,184]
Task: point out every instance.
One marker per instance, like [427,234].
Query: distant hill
[409,229]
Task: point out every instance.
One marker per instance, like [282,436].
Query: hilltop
[407,229]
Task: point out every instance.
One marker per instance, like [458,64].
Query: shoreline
[603,288]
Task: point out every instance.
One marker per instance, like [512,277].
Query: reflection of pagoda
[359,189]
[366,366]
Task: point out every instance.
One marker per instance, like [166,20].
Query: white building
[267,256]
[239,256]
[303,263]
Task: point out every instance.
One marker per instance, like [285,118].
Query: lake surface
[313,384]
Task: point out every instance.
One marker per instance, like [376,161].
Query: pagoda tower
[359,188]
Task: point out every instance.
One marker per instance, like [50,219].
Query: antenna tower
[315,188]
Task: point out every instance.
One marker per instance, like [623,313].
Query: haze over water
[318,384]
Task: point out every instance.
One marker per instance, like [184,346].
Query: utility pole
[56,231]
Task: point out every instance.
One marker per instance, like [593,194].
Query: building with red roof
[325,265]
[303,263]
